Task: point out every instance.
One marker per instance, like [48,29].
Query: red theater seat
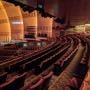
[3,77]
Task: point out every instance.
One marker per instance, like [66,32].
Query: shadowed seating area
[44,45]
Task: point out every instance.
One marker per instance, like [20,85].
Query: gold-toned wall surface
[5,30]
[17,24]
[16,20]
[30,23]
[45,25]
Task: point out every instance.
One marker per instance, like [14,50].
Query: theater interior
[44,44]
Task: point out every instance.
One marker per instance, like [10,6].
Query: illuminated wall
[16,24]
[35,24]
[87,29]
[16,21]
[30,24]
[45,26]
[80,28]
[5,30]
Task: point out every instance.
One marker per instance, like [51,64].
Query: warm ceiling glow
[80,28]
[16,20]
[5,30]
[87,24]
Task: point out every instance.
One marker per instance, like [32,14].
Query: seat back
[37,85]
[19,81]
[3,77]
[47,80]
[10,85]
[81,70]
[68,87]
[76,82]
[57,69]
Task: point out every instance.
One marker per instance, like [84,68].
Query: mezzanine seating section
[57,56]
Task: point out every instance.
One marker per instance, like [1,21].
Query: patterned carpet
[66,75]
[86,83]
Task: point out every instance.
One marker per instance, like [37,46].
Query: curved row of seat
[85,84]
[46,66]
[80,71]
[13,80]
[33,60]
[81,65]
[45,63]
[78,77]
[66,59]
[25,55]
[45,89]
[14,84]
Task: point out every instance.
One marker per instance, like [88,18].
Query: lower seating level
[61,65]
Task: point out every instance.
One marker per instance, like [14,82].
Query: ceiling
[76,11]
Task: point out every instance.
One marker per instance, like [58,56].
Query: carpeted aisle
[66,75]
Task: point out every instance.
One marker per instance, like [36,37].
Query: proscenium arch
[30,20]
[5,30]
[16,20]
